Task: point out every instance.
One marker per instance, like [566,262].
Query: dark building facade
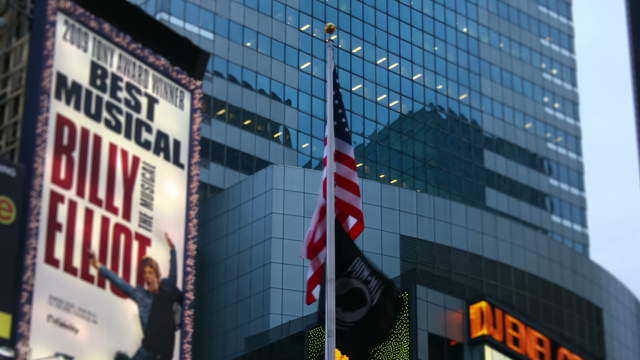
[15,22]
[467,136]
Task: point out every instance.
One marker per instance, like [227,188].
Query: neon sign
[490,321]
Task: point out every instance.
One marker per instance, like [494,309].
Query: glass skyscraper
[467,133]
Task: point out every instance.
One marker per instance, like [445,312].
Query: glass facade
[466,131]
[500,75]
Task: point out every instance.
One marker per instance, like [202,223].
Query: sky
[612,176]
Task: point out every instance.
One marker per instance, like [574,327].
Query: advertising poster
[111,222]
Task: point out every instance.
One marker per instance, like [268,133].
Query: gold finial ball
[330,28]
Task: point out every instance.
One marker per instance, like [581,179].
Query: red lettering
[119,231]
[111,180]
[143,243]
[128,244]
[70,233]
[64,145]
[53,227]
[85,269]
[128,180]
[104,247]
[94,182]
[77,162]
[82,162]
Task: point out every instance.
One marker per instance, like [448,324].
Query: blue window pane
[235,73]
[177,8]
[279,11]
[264,6]
[263,85]
[249,79]
[292,16]
[317,106]
[235,32]
[277,50]
[220,67]
[304,102]
[192,13]
[206,20]
[250,38]
[291,56]
[277,90]
[264,44]
[222,26]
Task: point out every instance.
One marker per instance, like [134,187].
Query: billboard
[487,321]
[10,220]
[111,233]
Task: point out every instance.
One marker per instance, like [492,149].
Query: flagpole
[330,268]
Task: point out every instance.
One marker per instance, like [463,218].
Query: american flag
[348,201]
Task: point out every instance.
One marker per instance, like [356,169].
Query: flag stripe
[348,200]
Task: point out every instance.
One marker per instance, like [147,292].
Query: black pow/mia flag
[367,302]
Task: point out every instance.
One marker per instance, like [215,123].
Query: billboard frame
[37,106]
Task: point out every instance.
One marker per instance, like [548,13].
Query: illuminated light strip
[381,60]
[394,103]
[416,76]
[393,66]
[305,145]
[528,125]
[381,176]
[463,96]
[396,346]
[334,37]
[221,112]
[356,49]
[382,97]
[305,27]
[393,181]
[356,87]
[359,164]
[277,134]
[247,122]
[305,65]
[439,86]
